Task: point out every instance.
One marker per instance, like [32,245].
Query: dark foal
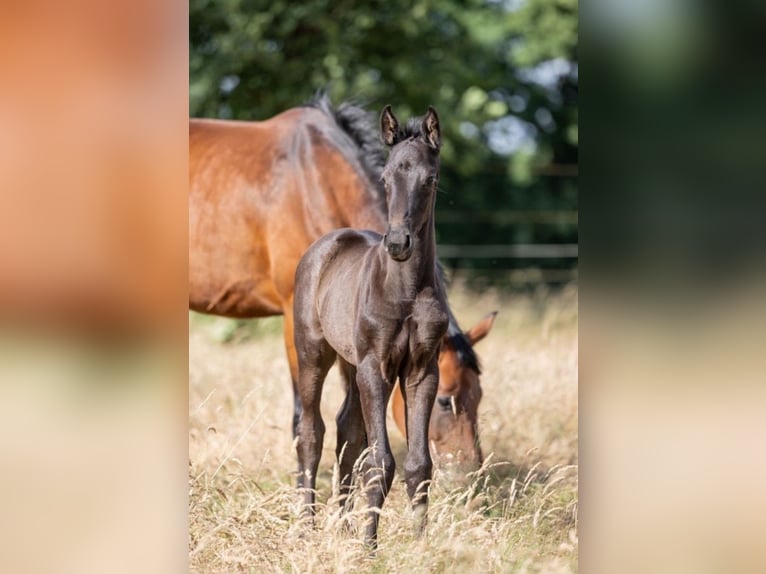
[373,303]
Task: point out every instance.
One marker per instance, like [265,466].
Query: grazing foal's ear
[481,329]
[430,128]
[389,127]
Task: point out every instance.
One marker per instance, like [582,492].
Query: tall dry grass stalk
[516,514]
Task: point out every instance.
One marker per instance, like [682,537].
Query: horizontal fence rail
[514,277]
[519,251]
[512,264]
[501,216]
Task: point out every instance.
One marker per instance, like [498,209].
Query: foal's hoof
[419,520]
[372,546]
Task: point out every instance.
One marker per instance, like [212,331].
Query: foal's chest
[428,325]
[413,339]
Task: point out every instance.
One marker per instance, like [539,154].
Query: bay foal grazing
[375,303]
[261,192]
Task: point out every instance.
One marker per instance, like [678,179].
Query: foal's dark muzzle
[398,244]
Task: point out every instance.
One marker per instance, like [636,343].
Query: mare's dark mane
[360,126]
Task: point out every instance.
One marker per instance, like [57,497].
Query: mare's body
[261,192]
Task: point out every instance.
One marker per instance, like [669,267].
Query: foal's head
[410,176]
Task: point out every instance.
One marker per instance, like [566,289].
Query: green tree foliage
[503,75]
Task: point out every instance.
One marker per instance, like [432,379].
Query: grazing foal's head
[410,177]
[454,430]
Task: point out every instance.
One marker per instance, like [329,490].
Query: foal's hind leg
[315,359]
[352,439]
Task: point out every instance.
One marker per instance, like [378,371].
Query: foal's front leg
[420,389]
[378,466]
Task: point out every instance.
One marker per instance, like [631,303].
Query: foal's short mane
[361,127]
[412,128]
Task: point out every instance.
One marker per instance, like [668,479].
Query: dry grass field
[518,514]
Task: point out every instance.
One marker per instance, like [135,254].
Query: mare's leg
[315,359]
[292,360]
[420,391]
[352,439]
[378,466]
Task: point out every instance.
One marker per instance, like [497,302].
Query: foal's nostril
[444,402]
[407,242]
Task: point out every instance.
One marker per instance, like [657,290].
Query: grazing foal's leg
[378,466]
[417,466]
[315,359]
[351,436]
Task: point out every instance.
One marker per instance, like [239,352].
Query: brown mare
[262,192]
[375,304]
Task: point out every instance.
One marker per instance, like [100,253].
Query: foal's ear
[430,128]
[389,127]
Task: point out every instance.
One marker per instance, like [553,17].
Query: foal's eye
[430,181]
